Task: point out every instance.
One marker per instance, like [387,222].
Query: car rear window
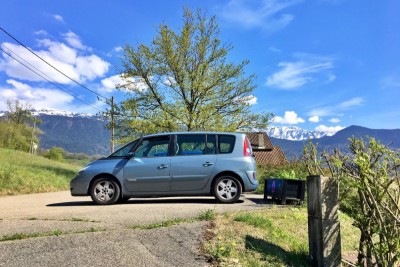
[226,143]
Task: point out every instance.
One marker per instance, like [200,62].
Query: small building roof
[274,157]
[260,141]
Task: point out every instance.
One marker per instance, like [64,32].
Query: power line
[72,79]
[42,76]
[32,66]
[78,83]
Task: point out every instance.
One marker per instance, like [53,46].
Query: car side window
[195,144]
[153,147]
[123,151]
[210,145]
[226,143]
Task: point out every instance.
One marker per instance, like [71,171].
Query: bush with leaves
[55,153]
[370,193]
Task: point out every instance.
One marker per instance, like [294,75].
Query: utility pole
[32,149]
[112,125]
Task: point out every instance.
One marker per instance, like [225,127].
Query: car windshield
[123,151]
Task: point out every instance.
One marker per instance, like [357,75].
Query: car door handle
[162,166]
[207,164]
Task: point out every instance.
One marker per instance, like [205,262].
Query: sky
[319,64]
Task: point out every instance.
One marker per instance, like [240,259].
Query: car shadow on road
[138,201]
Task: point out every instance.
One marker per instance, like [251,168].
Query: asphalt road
[101,235]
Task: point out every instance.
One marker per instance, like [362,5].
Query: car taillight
[246,148]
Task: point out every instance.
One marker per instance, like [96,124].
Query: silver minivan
[172,164]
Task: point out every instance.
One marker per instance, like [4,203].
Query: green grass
[270,237]
[23,173]
[205,215]
[20,236]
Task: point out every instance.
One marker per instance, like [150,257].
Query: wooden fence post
[323,221]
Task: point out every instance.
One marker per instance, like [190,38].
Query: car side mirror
[130,155]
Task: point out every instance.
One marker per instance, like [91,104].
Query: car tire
[227,189]
[105,191]
[123,200]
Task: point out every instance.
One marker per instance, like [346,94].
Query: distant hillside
[75,134]
[82,133]
[293,149]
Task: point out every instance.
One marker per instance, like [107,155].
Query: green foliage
[55,153]
[182,81]
[15,136]
[15,129]
[23,173]
[370,193]
[206,215]
[18,113]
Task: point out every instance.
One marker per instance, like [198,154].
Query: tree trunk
[361,251]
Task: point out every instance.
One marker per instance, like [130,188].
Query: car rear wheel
[227,189]
[105,191]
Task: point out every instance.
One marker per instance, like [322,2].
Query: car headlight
[83,169]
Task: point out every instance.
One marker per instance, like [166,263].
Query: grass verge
[23,173]
[270,237]
[202,216]
[20,236]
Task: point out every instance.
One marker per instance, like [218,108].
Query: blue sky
[320,65]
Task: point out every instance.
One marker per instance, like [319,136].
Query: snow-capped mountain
[294,133]
[58,112]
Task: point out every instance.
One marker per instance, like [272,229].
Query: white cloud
[336,110]
[111,83]
[36,97]
[58,18]
[357,101]
[74,40]
[307,69]
[251,100]
[41,32]
[39,97]
[118,49]
[264,14]
[79,66]
[56,51]
[91,67]
[313,119]
[391,81]
[334,120]
[329,130]
[290,117]
[274,49]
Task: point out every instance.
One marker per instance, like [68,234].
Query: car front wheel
[105,191]
[227,189]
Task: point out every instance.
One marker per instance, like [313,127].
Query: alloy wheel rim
[227,189]
[104,191]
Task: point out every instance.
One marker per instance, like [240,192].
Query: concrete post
[323,221]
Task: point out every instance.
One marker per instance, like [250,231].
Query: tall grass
[23,173]
[270,237]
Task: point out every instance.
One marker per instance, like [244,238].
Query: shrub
[55,153]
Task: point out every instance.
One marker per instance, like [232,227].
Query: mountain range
[293,149]
[294,133]
[85,133]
